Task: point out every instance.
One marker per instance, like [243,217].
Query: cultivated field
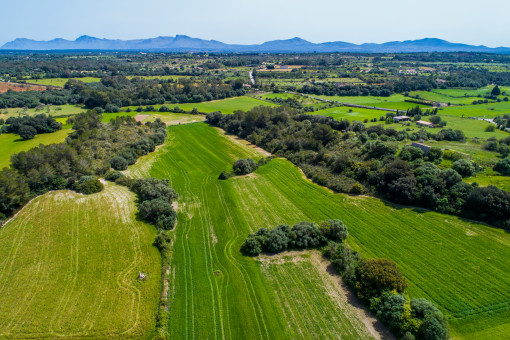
[216,292]
[459,265]
[17,87]
[69,268]
[11,143]
[60,82]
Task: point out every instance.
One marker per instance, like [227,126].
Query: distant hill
[183,43]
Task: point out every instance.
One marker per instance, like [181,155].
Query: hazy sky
[245,22]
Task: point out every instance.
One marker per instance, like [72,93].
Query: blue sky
[246,22]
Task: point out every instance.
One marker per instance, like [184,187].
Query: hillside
[69,268]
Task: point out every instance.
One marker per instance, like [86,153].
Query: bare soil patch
[140,118]
[17,87]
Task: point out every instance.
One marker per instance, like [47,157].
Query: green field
[11,143]
[226,106]
[366,100]
[69,268]
[438,97]
[342,112]
[461,266]
[479,110]
[61,81]
[490,177]
[55,110]
[472,127]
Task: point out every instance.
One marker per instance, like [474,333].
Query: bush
[152,188]
[503,166]
[119,163]
[244,166]
[334,230]
[88,185]
[113,176]
[374,276]
[251,246]
[159,212]
[27,132]
[464,167]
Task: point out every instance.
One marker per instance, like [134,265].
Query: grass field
[342,112]
[461,266]
[490,177]
[442,98]
[366,100]
[11,143]
[479,110]
[217,292]
[69,268]
[226,106]
[55,110]
[61,81]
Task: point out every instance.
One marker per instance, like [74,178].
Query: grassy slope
[56,111]
[217,292]
[61,81]
[69,268]
[459,265]
[11,143]
[226,106]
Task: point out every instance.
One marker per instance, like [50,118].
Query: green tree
[374,276]
[496,91]
[27,132]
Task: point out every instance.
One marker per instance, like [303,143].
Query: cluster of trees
[377,282]
[73,164]
[29,126]
[114,92]
[155,197]
[380,284]
[354,159]
[302,235]
[244,167]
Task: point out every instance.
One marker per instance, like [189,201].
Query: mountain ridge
[184,43]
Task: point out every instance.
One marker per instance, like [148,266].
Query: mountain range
[183,43]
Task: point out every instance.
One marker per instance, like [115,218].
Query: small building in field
[423,147]
[397,119]
[424,123]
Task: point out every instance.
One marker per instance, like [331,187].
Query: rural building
[423,147]
[424,123]
[401,119]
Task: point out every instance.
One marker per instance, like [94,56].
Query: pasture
[441,98]
[226,106]
[489,110]
[350,113]
[60,82]
[11,143]
[69,268]
[54,110]
[217,292]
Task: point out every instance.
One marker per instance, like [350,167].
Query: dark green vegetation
[28,127]
[244,167]
[365,160]
[377,281]
[74,163]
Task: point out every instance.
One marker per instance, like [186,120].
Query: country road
[252,79]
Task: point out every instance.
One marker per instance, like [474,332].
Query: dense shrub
[152,188]
[118,163]
[503,166]
[374,276]
[244,166]
[464,167]
[88,185]
[158,212]
[27,132]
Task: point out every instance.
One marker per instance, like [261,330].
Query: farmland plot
[69,266]
[218,293]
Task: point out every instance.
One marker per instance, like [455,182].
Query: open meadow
[60,82]
[70,265]
[11,143]
[216,292]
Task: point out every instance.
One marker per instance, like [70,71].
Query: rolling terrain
[218,293]
[69,268]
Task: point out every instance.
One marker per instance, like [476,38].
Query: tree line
[75,163]
[377,282]
[351,158]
